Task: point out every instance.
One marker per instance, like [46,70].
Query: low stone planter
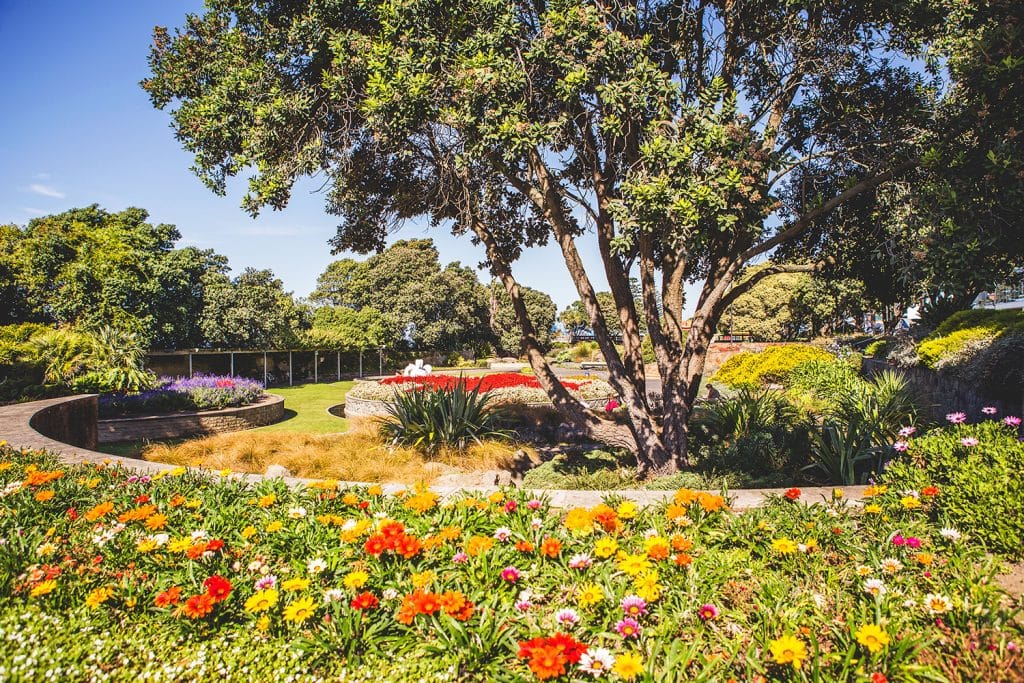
[362,407]
[180,425]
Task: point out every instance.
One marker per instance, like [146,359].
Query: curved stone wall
[179,425]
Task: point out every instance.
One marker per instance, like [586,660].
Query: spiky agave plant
[429,419]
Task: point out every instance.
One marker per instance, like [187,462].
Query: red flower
[72,514]
[572,648]
[142,499]
[392,529]
[171,596]
[930,491]
[879,678]
[793,493]
[365,600]
[375,545]
[407,546]
[218,588]
[524,546]
[548,656]
[198,606]
[215,545]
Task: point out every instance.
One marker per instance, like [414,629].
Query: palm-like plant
[431,419]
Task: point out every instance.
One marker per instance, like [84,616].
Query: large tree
[251,311]
[686,138]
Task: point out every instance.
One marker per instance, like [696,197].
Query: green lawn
[305,408]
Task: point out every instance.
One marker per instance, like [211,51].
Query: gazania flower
[460,558]
[628,627]
[264,582]
[891,565]
[567,617]
[261,601]
[873,637]
[633,606]
[99,596]
[365,601]
[707,612]
[316,565]
[597,662]
[198,606]
[580,561]
[784,546]
[300,610]
[356,579]
[551,547]
[793,494]
[605,547]
[43,588]
[937,604]
[502,534]
[218,588]
[590,595]
[171,596]
[789,650]
[296,513]
[950,534]
[875,587]
[295,585]
[510,574]
[628,666]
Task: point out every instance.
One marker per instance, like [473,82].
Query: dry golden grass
[357,455]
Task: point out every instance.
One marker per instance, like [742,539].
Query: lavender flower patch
[200,392]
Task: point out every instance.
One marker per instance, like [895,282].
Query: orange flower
[98,511]
[156,522]
[171,596]
[136,514]
[198,606]
[709,502]
[930,491]
[551,547]
[547,661]
[177,500]
[525,546]
[454,603]
[43,496]
[196,551]
[392,529]
[407,546]
[606,517]
[676,511]
[683,560]
[426,603]
[681,543]
[477,545]
[684,497]
[40,477]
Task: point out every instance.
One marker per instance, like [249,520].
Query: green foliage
[981,490]
[344,328]
[251,311]
[979,346]
[842,452]
[824,381]
[431,419]
[878,349]
[540,309]
[756,368]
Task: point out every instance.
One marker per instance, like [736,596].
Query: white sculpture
[417,369]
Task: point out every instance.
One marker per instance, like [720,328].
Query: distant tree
[346,329]
[251,311]
[89,268]
[432,307]
[508,334]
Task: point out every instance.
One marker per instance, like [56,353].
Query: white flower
[199,535]
[909,603]
[46,549]
[567,617]
[333,595]
[160,539]
[378,515]
[597,662]
[937,604]
[255,565]
[875,587]
[650,533]
[296,513]
[502,534]
[891,565]
[536,523]
[349,525]
[863,570]
[950,534]
[390,594]
[580,561]
[316,565]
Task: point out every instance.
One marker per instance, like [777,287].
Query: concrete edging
[17,429]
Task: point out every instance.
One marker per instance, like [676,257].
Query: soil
[1013,581]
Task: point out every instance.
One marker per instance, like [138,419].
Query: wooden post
[339,366]
[360,363]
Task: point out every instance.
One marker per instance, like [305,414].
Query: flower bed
[503,388]
[199,392]
[111,575]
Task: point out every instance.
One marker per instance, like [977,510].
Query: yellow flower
[496,497]
[276,525]
[875,491]
[873,637]
[261,601]
[375,490]
[99,596]
[590,595]
[296,584]
[193,504]
[356,579]
[784,546]
[179,545]
[351,534]
[628,665]
[789,650]
[145,545]
[910,502]
[647,587]
[863,570]
[6,465]
[924,558]
[657,547]
[837,493]
[423,501]
[627,509]
[248,532]
[43,588]
[178,471]
[873,509]
[267,500]
[633,564]
[300,610]
[226,472]
[810,545]
[350,499]
[263,623]
[423,579]
[579,521]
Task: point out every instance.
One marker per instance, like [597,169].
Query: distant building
[1003,297]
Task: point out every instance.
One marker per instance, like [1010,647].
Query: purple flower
[989,410]
[1011,421]
[900,446]
[611,405]
[956,418]
[634,605]
[460,557]
[969,441]
[628,627]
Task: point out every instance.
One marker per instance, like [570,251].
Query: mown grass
[305,407]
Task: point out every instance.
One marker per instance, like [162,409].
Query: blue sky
[76,129]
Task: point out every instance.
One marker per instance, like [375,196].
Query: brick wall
[267,411]
[71,421]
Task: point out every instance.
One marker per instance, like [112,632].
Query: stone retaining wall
[267,411]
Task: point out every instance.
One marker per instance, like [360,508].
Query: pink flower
[900,446]
[628,627]
[956,418]
[511,506]
[989,410]
[969,441]
[611,405]
[460,557]
[567,617]
[1011,421]
[265,582]
[510,574]
[898,540]
[523,605]
[907,431]
[913,542]
[580,561]
[633,605]
[707,612]
[534,504]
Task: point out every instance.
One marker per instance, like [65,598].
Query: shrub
[824,380]
[430,419]
[878,349]
[754,368]
[200,392]
[980,486]
[949,350]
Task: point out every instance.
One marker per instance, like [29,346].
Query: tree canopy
[687,139]
[508,335]
[251,311]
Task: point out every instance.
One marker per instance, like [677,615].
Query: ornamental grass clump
[431,419]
